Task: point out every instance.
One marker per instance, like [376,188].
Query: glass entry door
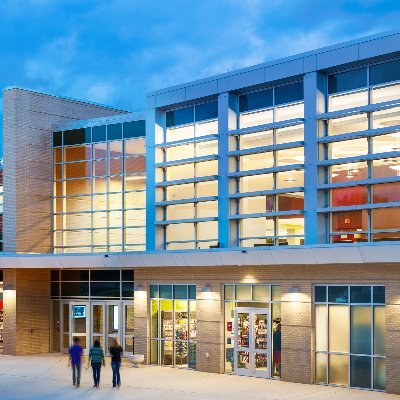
[79,323]
[252,342]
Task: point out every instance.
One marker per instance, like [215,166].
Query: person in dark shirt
[75,359]
[277,350]
[116,352]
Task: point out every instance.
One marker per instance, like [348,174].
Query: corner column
[314,103]
[297,360]
[26,305]
[227,120]
[210,355]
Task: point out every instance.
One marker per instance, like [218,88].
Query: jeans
[116,376]
[76,374]
[96,367]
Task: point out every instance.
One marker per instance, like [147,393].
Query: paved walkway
[47,377]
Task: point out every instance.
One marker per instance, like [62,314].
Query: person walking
[116,352]
[96,359]
[75,360]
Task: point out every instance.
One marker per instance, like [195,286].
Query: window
[173,322]
[257,296]
[386,72]
[90,200]
[347,80]
[349,336]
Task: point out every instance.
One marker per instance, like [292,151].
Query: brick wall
[26,311]
[27,138]
[297,312]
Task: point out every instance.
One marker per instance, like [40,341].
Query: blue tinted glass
[114,131]
[379,294]
[105,289]
[338,294]
[180,292]
[360,371]
[320,293]
[207,111]
[55,289]
[180,117]
[256,100]
[127,289]
[289,93]
[71,289]
[74,136]
[153,291]
[386,72]
[192,292]
[127,275]
[360,294]
[57,139]
[88,135]
[347,80]
[99,133]
[134,129]
[104,275]
[165,291]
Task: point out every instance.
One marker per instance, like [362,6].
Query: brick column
[297,360]
[142,321]
[210,333]
[26,311]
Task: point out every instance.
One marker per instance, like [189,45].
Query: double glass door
[252,342]
[99,320]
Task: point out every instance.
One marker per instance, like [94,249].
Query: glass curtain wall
[173,325]
[361,149]
[350,336]
[253,296]
[186,178]
[90,285]
[267,168]
[99,188]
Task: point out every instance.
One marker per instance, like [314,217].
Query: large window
[173,325]
[186,178]
[350,336]
[99,189]
[362,146]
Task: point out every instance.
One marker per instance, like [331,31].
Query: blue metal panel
[154,122]
[260,171]
[185,201]
[226,120]
[171,97]
[284,69]
[187,161]
[260,128]
[314,101]
[339,56]
[188,180]
[249,78]
[191,140]
[264,149]
[202,89]
[266,192]
[358,134]
[372,48]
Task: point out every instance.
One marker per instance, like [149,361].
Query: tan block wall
[27,136]
[27,311]
[297,310]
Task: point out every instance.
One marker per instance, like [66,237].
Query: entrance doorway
[252,343]
[98,320]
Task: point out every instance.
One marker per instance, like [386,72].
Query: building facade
[246,223]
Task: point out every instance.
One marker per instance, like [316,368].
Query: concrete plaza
[48,377]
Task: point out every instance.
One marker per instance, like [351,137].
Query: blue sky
[113,51]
